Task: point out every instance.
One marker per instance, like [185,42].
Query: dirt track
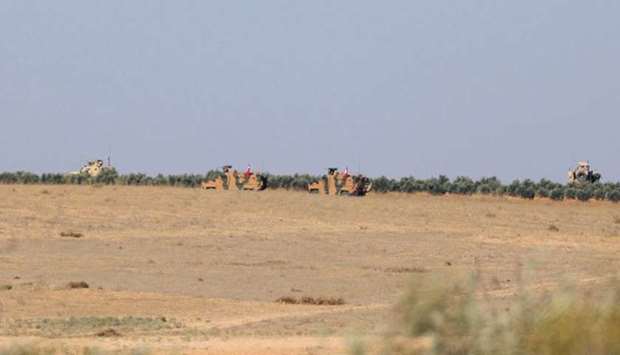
[182,269]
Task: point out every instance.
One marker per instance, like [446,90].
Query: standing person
[248,172]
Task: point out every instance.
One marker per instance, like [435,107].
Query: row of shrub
[111,177]
[492,186]
[108,177]
[437,186]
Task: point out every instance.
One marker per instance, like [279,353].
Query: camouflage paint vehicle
[583,174]
[93,168]
[230,179]
[341,183]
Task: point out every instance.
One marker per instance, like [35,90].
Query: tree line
[441,185]
[527,188]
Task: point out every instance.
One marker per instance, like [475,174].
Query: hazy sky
[508,88]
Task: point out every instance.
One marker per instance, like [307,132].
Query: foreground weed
[93,326]
[34,349]
[317,301]
[26,350]
[452,318]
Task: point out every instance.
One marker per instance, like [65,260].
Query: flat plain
[174,270]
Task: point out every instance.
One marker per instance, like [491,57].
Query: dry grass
[28,349]
[218,260]
[450,318]
[61,349]
[170,211]
[93,326]
[405,270]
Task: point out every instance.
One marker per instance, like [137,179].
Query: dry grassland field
[174,270]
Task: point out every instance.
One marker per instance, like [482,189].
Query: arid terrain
[174,270]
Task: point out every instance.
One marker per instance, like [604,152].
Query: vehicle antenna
[109,160]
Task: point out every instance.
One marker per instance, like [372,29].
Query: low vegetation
[71,234]
[441,185]
[77,285]
[316,301]
[448,319]
[89,326]
[36,349]
[31,349]
[527,189]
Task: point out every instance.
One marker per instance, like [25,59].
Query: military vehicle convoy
[230,179]
[583,174]
[341,183]
[334,183]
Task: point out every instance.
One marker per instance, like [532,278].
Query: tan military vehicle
[583,174]
[217,184]
[341,183]
[232,180]
[92,168]
[317,187]
[252,182]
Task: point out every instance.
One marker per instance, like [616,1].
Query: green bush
[160,180]
[570,193]
[527,192]
[492,182]
[8,178]
[20,177]
[107,176]
[411,184]
[384,184]
[614,195]
[599,193]
[557,194]
[514,188]
[52,179]
[542,192]
[76,179]
[485,189]
[548,185]
[462,185]
[439,186]
[584,195]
